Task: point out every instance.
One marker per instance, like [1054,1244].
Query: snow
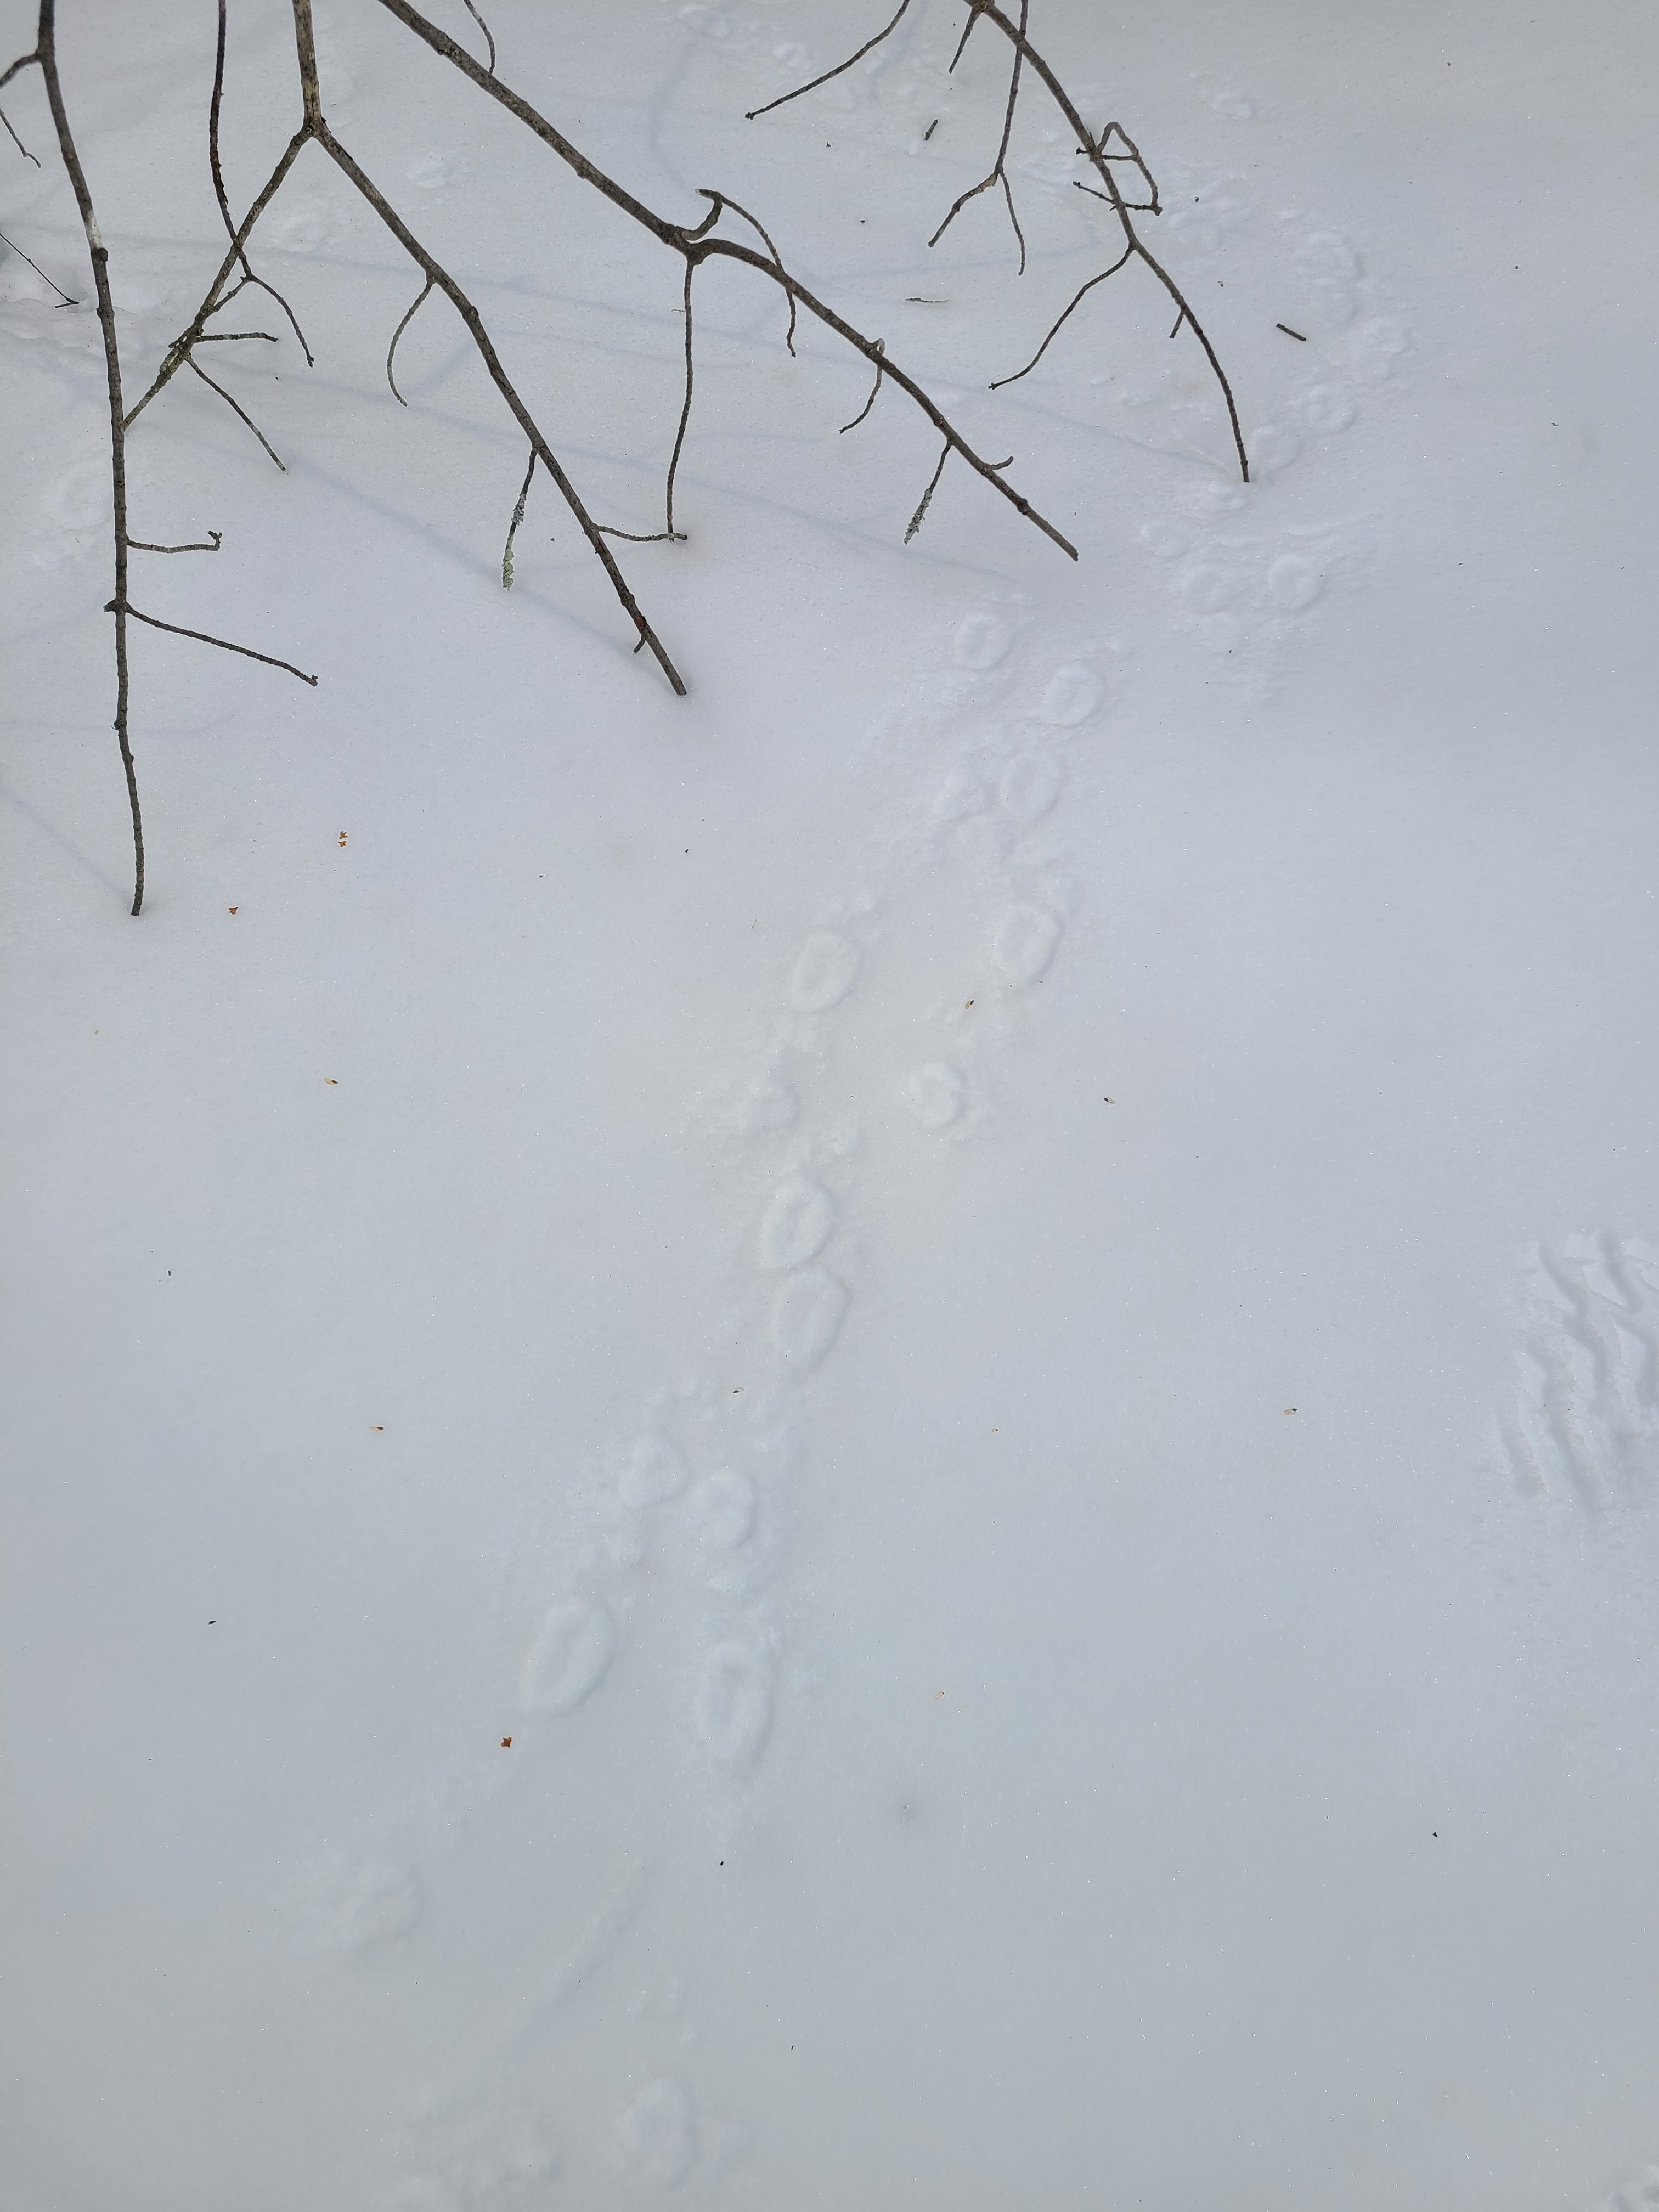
[995,1286]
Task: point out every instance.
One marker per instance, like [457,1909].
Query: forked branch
[1101,154]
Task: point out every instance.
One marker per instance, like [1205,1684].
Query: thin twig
[720,200]
[513,526]
[22,62]
[63,295]
[881,347]
[192,363]
[226,337]
[484,28]
[967,33]
[216,297]
[204,637]
[840,69]
[426,291]
[16,140]
[214,106]
[1064,316]
[213,540]
[918,517]
[1301,335]
[999,172]
[46,54]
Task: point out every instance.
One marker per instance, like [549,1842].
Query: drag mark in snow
[1582,1423]
[567,1661]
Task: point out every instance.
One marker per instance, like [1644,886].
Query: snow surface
[995,1286]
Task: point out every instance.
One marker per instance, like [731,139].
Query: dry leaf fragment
[507,1743]
[231,910]
[332,1078]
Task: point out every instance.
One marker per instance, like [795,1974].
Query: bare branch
[484,28]
[16,140]
[203,637]
[474,321]
[699,246]
[721,201]
[178,352]
[999,172]
[62,295]
[227,338]
[839,69]
[1134,241]
[23,62]
[46,54]
[214,106]
[513,526]
[192,363]
[881,347]
[213,542]
[426,293]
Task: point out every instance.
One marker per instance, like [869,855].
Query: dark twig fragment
[1300,335]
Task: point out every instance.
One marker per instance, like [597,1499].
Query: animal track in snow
[656,2135]
[724,1505]
[568,1659]
[823,974]
[342,1907]
[935,1093]
[1071,695]
[981,641]
[1583,1423]
[1294,583]
[797,1225]
[806,1317]
[1024,943]
[1639,2194]
[656,1470]
[1029,788]
[733,1705]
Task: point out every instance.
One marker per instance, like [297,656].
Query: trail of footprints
[694,1485]
[802,1289]
[700,1484]
[1582,1423]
